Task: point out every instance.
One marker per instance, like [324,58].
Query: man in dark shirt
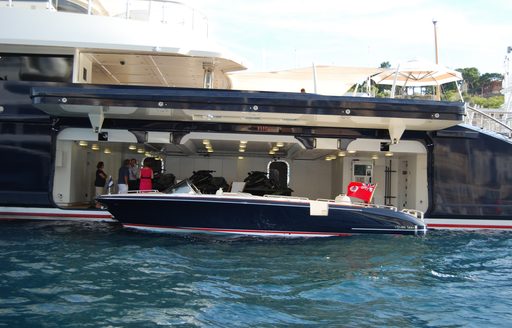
[133,183]
[124,175]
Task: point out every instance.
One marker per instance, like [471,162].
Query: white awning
[330,80]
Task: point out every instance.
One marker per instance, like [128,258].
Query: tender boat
[183,209]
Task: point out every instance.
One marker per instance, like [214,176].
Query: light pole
[438,89]
[435,39]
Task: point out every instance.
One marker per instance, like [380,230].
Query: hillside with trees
[481,89]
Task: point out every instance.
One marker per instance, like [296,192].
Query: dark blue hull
[259,216]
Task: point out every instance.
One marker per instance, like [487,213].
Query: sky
[268,35]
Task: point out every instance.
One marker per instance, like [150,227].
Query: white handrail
[489,122]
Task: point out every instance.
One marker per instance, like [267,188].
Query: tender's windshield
[183,187]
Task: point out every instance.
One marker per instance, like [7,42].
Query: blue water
[98,275]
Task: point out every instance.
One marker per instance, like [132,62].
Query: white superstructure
[129,42]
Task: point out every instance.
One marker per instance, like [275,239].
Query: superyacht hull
[43,124]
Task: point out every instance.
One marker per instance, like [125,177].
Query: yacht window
[16,67]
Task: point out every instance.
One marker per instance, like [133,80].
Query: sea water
[100,275]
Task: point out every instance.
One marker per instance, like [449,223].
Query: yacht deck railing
[162,11]
[498,121]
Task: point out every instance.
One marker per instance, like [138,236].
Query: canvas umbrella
[417,73]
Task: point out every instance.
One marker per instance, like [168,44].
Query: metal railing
[498,121]
[34,4]
[162,11]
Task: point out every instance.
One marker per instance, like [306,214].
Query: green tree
[385,64]
[471,77]
[491,102]
[487,79]
[452,86]
[490,77]
[450,95]
[381,90]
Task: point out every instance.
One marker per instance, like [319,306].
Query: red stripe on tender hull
[241,231]
[467,226]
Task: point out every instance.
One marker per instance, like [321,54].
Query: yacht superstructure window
[20,67]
